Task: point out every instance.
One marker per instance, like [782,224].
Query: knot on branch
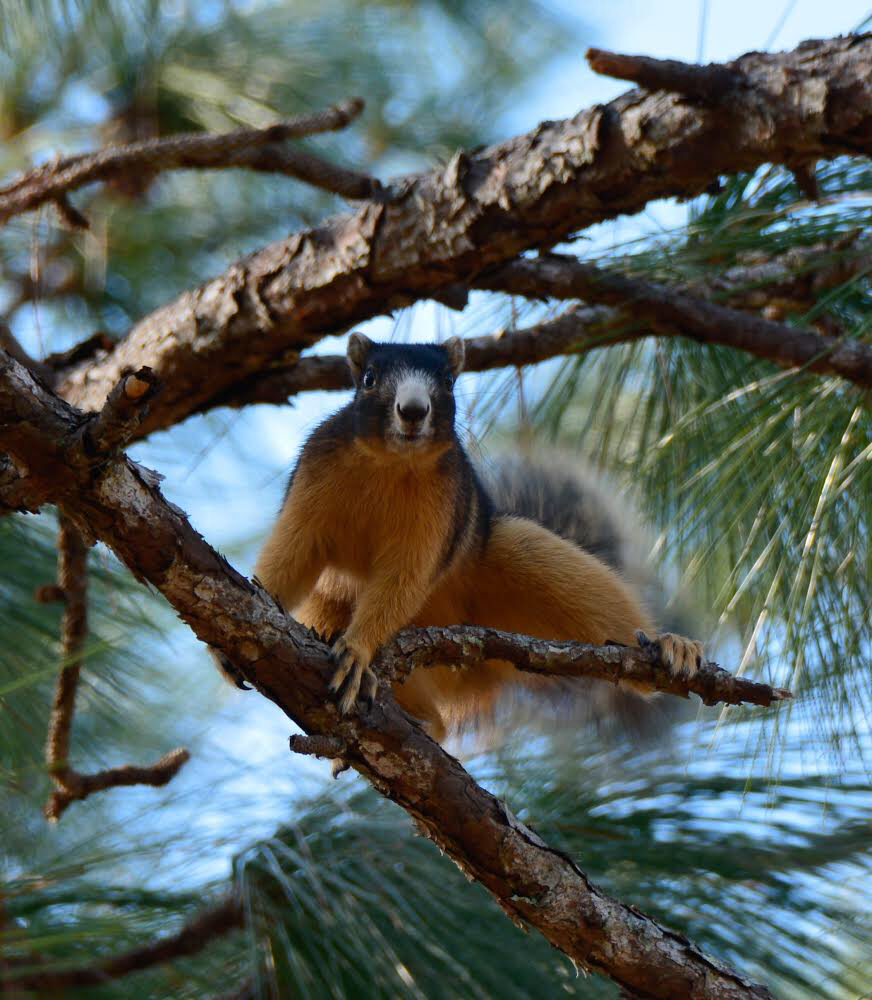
[124,410]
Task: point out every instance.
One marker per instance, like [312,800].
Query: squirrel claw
[352,678]
[680,655]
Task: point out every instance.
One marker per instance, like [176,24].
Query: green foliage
[759,479]
[117,700]
[354,905]
[345,900]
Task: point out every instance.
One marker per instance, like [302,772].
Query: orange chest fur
[364,513]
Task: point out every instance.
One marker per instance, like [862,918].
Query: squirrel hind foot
[680,655]
[352,678]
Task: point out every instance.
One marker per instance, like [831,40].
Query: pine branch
[437,229]
[73,586]
[74,787]
[470,645]
[575,330]
[773,287]
[532,882]
[257,149]
[197,933]
[672,313]
[707,83]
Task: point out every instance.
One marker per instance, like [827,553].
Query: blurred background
[749,831]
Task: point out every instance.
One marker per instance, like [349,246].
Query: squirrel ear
[456,352]
[359,347]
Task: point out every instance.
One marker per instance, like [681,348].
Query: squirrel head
[404,393]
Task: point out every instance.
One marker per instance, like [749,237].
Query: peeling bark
[483,209]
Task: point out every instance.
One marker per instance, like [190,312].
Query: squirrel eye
[448,381]
[368,380]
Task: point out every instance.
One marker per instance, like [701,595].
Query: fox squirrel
[386,523]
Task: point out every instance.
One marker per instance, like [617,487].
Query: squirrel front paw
[353,676]
[682,656]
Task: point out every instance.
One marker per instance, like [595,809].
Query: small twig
[49,593]
[806,180]
[70,786]
[195,935]
[73,582]
[310,168]
[710,83]
[73,787]
[124,410]
[53,182]
[673,313]
[470,645]
[70,214]
[83,351]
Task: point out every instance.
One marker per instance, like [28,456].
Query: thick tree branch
[532,882]
[776,287]
[470,645]
[246,147]
[483,209]
[197,933]
[672,313]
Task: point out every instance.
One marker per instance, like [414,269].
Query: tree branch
[245,147]
[776,287]
[124,410]
[481,210]
[708,83]
[73,585]
[311,169]
[470,645]
[195,935]
[532,882]
[672,313]
[74,787]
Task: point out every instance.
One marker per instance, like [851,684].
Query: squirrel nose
[413,411]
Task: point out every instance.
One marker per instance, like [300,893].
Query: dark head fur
[404,393]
